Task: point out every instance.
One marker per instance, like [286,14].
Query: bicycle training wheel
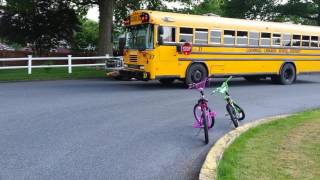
[233,115]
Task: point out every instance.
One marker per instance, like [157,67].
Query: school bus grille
[133,58]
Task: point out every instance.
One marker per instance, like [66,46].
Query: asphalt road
[103,129]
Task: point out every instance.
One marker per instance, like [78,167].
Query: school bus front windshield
[139,37]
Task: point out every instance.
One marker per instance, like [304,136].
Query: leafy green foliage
[43,24]
[252,9]
[88,35]
[210,6]
[304,12]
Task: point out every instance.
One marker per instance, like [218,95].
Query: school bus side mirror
[160,32]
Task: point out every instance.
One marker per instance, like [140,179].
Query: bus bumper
[139,75]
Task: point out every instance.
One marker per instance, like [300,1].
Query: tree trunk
[106,8]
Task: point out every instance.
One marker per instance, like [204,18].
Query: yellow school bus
[220,47]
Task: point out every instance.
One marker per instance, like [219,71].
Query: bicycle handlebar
[228,79]
[201,85]
[223,88]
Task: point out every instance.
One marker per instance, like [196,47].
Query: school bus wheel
[287,76]
[196,73]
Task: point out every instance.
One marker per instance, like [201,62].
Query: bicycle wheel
[205,127]
[241,114]
[233,115]
[197,112]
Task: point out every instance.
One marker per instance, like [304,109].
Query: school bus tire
[196,73]
[287,76]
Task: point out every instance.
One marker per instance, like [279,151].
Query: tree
[210,6]
[42,23]
[118,10]
[87,36]
[106,9]
[252,9]
[304,12]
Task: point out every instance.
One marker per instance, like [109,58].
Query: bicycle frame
[224,89]
[203,103]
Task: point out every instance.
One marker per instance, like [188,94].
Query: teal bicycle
[235,112]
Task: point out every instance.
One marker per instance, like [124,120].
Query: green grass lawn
[51,74]
[284,149]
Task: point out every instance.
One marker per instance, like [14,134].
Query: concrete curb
[209,168]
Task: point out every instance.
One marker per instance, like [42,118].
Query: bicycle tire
[197,106]
[233,115]
[241,111]
[205,127]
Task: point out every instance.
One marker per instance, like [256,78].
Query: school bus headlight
[141,67]
[125,65]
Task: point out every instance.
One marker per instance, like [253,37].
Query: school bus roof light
[126,21]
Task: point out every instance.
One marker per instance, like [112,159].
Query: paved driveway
[101,129]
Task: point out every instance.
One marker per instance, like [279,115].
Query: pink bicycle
[204,117]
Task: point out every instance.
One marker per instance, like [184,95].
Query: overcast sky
[93,13]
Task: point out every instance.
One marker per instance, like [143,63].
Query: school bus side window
[306,41]
[286,40]
[296,40]
[314,41]
[254,38]
[169,34]
[201,36]
[276,39]
[215,36]
[186,35]
[242,38]
[265,39]
[229,37]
